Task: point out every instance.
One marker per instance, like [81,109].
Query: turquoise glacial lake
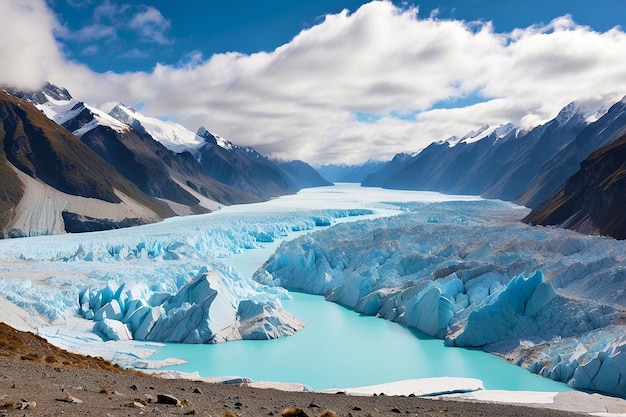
[340,348]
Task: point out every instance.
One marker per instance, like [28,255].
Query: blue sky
[209,26]
[324,81]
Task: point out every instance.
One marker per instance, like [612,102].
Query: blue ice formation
[208,309]
[548,299]
[164,282]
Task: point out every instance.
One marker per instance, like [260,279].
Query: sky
[330,81]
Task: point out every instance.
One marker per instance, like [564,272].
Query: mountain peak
[587,112]
[504,130]
[43,95]
[569,112]
[474,133]
[214,139]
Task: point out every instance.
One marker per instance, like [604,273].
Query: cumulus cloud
[303,99]
[27,43]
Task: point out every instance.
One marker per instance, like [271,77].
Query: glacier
[470,273]
[167,282]
[465,270]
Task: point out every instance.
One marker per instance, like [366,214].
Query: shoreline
[465,390]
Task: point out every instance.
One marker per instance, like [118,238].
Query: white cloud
[108,19]
[27,43]
[301,100]
[150,23]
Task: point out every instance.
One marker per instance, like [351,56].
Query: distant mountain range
[349,173]
[121,157]
[527,167]
[70,167]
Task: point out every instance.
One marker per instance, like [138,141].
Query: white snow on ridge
[485,131]
[61,111]
[102,119]
[173,136]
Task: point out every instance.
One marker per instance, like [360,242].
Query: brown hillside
[593,199]
[44,150]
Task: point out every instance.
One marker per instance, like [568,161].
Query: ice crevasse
[547,299]
[164,282]
[205,310]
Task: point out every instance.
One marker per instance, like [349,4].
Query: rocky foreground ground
[38,379]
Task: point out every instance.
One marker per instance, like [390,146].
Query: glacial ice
[470,273]
[164,282]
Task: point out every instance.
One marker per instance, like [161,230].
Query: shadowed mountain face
[592,200]
[44,150]
[11,190]
[565,163]
[157,171]
[243,168]
[302,175]
[47,152]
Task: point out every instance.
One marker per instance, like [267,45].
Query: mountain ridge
[591,201]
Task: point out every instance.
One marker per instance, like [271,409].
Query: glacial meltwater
[340,348]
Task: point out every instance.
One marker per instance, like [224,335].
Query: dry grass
[25,346]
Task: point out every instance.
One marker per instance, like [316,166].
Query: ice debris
[548,299]
[208,309]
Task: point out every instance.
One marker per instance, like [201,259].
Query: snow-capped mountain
[486,131]
[167,161]
[592,200]
[242,168]
[76,116]
[53,183]
[502,161]
[173,136]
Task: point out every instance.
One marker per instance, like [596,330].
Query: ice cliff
[548,299]
[166,282]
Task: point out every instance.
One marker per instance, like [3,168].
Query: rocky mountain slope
[39,151]
[506,163]
[592,200]
[241,168]
[173,170]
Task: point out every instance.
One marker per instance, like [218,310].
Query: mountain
[349,173]
[505,162]
[388,170]
[191,173]
[592,201]
[176,178]
[240,168]
[173,136]
[60,177]
[451,167]
[566,162]
[302,175]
